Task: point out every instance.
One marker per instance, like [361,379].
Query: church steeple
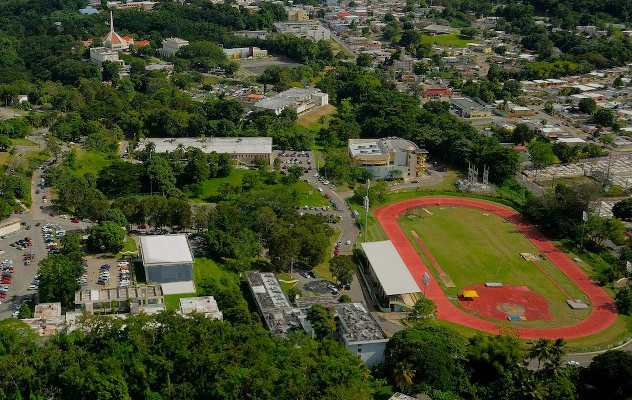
[113,40]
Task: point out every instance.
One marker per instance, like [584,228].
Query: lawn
[322,269]
[23,142]
[474,246]
[91,161]
[311,119]
[130,247]
[172,301]
[451,40]
[203,268]
[4,157]
[306,194]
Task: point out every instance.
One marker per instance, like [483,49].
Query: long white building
[297,99]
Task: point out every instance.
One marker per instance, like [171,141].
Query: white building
[312,30]
[244,150]
[359,333]
[390,277]
[166,258]
[99,55]
[113,40]
[170,46]
[390,157]
[205,305]
[297,99]
[245,52]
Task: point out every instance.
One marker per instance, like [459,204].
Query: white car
[2,252]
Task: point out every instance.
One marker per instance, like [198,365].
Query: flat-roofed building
[468,108]
[132,299]
[356,329]
[278,314]
[170,46]
[166,258]
[243,150]
[245,52]
[311,29]
[205,305]
[359,333]
[99,55]
[391,280]
[297,15]
[390,157]
[299,100]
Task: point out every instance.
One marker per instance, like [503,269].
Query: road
[24,274]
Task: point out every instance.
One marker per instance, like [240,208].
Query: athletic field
[474,247]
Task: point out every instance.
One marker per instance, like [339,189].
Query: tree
[587,106]
[403,375]
[604,117]
[610,375]
[599,229]
[469,33]
[541,350]
[115,215]
[58,280]
[108,236]
[623,298]
[5,143]
[71,244]
[623,209]
[342,268]
[322,320]
[492,356]
[111,71]
[364,60]
[160,174]
[436,353]
[424,310]
[541,154]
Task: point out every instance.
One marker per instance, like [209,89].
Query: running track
[603,310]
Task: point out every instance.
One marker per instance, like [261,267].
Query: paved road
[24,275]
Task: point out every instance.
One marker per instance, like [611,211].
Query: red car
[75,220]
[53,214]
[336,252]
[3,296]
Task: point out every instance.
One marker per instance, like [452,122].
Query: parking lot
[22,261]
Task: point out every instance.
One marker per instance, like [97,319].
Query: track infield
[602,312]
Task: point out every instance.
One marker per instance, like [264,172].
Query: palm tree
[541,350]
[557,352]
[403,374]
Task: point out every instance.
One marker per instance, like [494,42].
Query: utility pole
[366,208]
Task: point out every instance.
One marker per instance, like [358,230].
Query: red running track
[603,311]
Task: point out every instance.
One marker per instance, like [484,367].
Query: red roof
[142,43]
[344,14]
[127,38]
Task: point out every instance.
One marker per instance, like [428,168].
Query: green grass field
[203,268]
[475,247]
[23,142]
[91,161]
[451,40]
[307,195]
[172,301]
